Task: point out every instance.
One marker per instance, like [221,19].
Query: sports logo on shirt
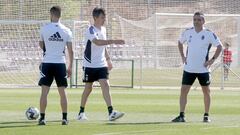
[56,37]
[91,29]
[202,37]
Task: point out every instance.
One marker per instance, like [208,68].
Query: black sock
[181,114]
[64,116]
[110,109]
[81,109]
[206,114]
[42,116]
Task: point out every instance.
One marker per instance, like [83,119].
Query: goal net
[151,38]
[157,38]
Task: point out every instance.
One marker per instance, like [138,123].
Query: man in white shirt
[54,37]
[97,63]
[196,62]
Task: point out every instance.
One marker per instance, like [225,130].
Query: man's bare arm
[180,48]
[42,45]
[70,53]
[215,56]
[100,42]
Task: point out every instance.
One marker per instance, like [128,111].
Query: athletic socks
[42,116]
[81,109]
[181,114]
[110,109]
[64,116]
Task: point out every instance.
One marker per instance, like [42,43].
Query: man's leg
[204,80]
[45,83]
[63,101]
[113,115]
[183,97]
[183,102]
[104,83]
[225,73]
[207,102]
[207,98]
[43,103]
[187,81]
[86,92]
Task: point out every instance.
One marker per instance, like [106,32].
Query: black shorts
[189,78]
[94,74]
[50,71]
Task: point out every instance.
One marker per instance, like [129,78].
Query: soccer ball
[32,113]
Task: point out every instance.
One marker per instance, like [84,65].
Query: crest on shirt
[91,30]
[202,37]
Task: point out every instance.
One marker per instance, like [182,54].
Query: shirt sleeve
[183,37]
[214,40]
[91,33]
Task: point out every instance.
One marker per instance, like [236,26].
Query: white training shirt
[55,37]
[198,46]
[94,56]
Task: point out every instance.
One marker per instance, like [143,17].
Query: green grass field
[148,112]
[122,77]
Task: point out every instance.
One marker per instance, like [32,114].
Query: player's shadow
[137,123]
[16,124]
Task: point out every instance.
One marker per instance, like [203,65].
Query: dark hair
[199,13]
[97,11]
[56,11]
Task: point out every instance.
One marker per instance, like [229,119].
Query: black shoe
[64,122]
[42,122]
[178,119]
[206,119]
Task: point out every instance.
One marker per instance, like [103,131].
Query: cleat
[41,122]
[115,115]
[65,122]
[82,117]
[179,119]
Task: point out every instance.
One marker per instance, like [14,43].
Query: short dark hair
[56,11]
[199,14]
[97,11]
